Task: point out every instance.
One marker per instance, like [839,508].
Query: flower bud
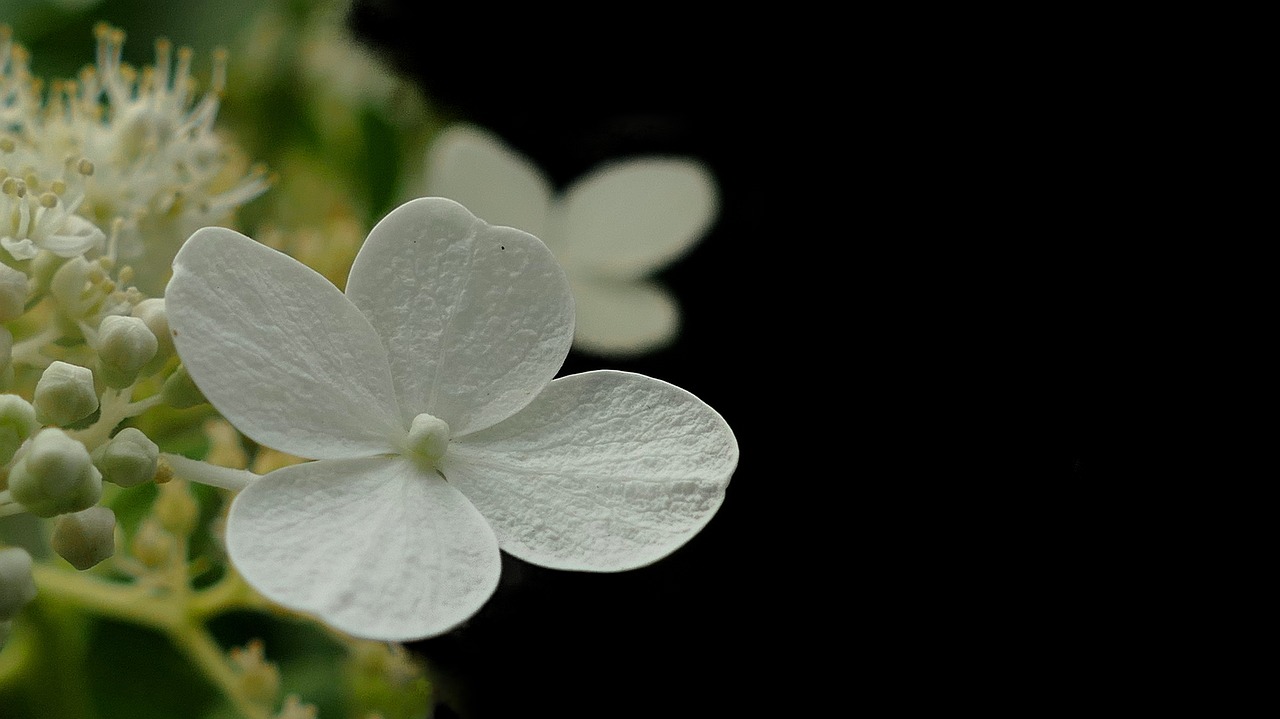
[152,545]
[152,312]
[55,476]
[176,508]
[43,266]
[125,344]
[13,293]
[85,538]
[128,459]
[17,586]
[65,394]
[71,289]
[17,423]
[180,392]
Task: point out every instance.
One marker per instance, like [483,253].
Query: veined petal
[623,318]
[627,219]
[476,319]
[279,351]
[376,547]
[475,168]
[605,471]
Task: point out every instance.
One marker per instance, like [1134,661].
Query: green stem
[195,641]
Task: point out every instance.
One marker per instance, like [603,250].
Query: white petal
[473,167]
[76,237]
[627,219]
[476,319]
[375,547]
[278,350]
[605,471]
[623,318]
[23,249]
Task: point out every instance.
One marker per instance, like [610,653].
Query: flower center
[428,439]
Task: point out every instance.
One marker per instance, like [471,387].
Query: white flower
[611,229]
[116,143]
[426,395]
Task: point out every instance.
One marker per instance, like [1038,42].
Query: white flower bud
[129,459]
[152,312]
[85,538]
[69,287]
[13,293]
[17,423]
[125,344]
[17,586]
[55,476]
[65,394]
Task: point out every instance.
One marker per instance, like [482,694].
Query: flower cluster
[407,428]
[101,178]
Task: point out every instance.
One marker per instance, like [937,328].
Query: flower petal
[473,167]
[623,318]
[279,351]
[627,219]
[375,547]
[605,471]
[76,237]
[476,319]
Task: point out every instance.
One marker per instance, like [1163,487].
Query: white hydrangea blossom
[611,229]
[425,394]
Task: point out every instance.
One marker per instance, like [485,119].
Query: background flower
[611,229]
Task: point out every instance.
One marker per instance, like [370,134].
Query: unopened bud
[259,679]
[65,394]
[69,287]
[85,538]
[152,312]
[180,391]
[13,293]
[55,476]
[176,508]
[151,544]
[17,586]
[17,423]
[43,266]
[130,458]
[125,344]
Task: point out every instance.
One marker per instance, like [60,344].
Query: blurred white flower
[426,395]
[120,143]
[612,229]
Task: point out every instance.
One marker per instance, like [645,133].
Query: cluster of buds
[101,179]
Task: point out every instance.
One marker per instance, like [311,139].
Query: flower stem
[210,474]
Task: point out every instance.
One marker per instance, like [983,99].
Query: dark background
[712,630]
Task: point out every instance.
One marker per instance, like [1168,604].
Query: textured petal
[375,547]
[473,167]
[279,351]
[605,471]
[476,319]
[623,318]
[627,219]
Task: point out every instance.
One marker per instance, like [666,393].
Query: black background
[714,629]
